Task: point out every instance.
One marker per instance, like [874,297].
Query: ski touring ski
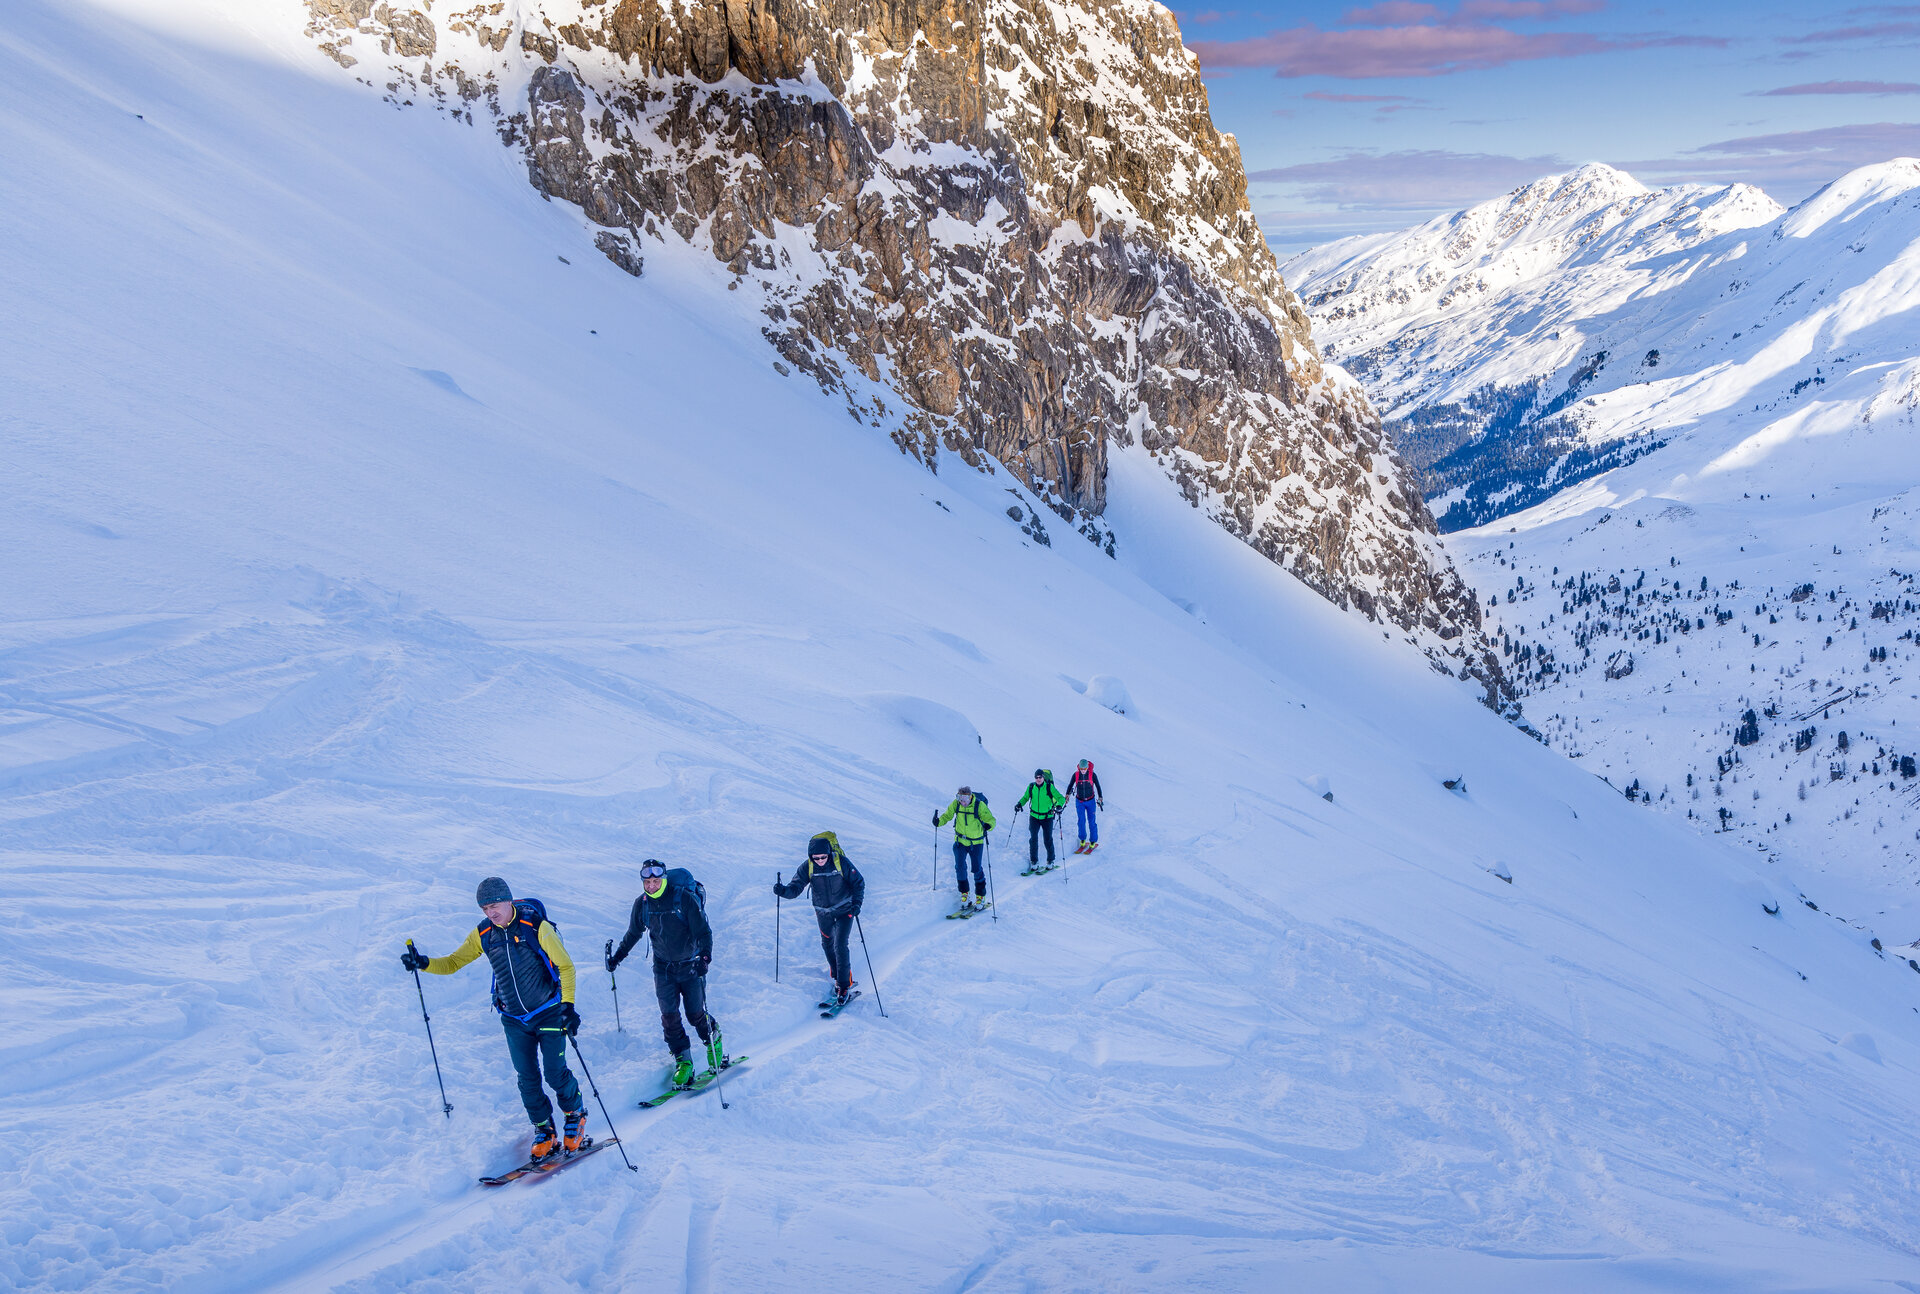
[554,1165]
[697,1084]
[835,1007]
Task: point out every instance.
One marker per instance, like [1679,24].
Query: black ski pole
[871,977]
[993,900]
[778,880]
[936,857]
[446,1106]
[603,1105]
[615,981]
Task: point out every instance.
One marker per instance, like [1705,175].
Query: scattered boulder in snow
[1861,1044]
[1620,664]
[1320,786]
[617,249]
[1458,785]
[1500,870]
[1110,692]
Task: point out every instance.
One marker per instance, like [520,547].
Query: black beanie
[820,845]
[493,890]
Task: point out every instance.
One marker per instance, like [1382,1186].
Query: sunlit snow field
[359,546]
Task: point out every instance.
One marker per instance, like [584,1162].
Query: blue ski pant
[962,854]
[1084,816]
[542,1042]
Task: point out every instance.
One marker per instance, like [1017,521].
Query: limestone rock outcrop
[1006,231]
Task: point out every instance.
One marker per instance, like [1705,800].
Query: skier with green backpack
[672,912]
[972,821]
[1043,802]
[838,893]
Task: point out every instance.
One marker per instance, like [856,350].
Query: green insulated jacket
[1041,801]
[971,822]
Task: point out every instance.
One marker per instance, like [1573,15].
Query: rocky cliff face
[1006,231]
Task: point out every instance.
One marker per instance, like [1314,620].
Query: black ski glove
[413,960]
[613,963]
[570,1019]
[936,817]
[778,891]
[705,960]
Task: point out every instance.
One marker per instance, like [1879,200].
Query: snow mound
[1105,689]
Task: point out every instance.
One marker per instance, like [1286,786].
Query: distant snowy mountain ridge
[1583,320]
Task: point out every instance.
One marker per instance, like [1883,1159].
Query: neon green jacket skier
[971,821]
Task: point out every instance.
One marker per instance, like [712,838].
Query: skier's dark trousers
[838,893]
[533,992]
[1043,802]
[671,913]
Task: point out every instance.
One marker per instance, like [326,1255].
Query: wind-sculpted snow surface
[367,547]
[1006,230]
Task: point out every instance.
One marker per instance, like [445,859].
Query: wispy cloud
[1400,38]
[1409,179]
[1844,87]
[1322,96]
[1792,161]
[1898,32]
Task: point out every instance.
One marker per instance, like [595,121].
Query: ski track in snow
[308,645]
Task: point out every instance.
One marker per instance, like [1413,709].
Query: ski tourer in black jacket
[838,887]
[838,891]
[673,922]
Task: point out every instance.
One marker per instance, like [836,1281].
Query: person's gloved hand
[705,960]
[776,891]
[612,964]
[570,1019]
[854,913]
[413,959]
[936,817]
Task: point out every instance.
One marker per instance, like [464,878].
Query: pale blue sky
[1357,117]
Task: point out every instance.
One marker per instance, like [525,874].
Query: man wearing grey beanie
[533,992]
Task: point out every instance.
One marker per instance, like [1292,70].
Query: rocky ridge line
[1003,229]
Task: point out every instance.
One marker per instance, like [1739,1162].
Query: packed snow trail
[371,549]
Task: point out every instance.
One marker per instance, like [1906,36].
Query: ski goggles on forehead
[650,870]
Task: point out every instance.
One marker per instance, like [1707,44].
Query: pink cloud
[1408,180]
[1880,31]
[1390,13]
[1846,87]
[1322,96]
[1537,10]
[1790,160]
[1418,50]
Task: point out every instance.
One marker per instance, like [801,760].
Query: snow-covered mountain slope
[1582,320]
[1003,232]
[363,542]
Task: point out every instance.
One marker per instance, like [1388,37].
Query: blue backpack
[535,911]
[679,878]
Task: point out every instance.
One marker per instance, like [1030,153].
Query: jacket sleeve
[1026,798]
[946,815]
[636,926]
[986,817]
[557,954]
[857,883]
[792,889]
[1098,794]
[460,956]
